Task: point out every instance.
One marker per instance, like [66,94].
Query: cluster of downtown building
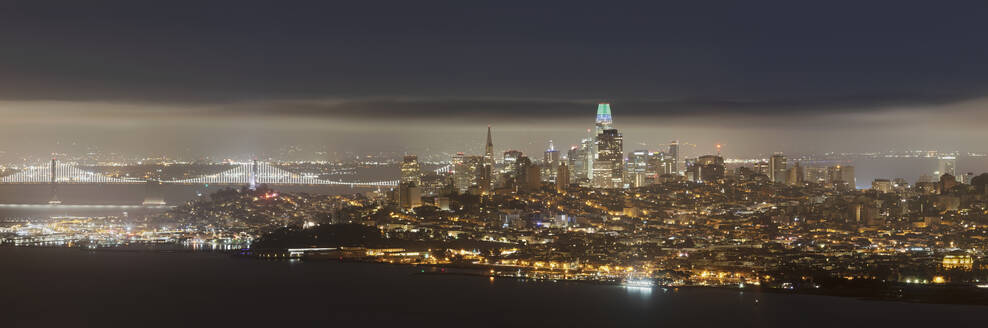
[599,161]
[597,212]
[693,220]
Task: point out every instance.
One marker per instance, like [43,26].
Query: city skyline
[246,163]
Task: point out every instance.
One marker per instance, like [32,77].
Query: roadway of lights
[240,174]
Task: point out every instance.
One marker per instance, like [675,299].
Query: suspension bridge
[244,173]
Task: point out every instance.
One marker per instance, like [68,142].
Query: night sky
[229,78]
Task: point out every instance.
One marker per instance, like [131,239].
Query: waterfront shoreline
[919,294]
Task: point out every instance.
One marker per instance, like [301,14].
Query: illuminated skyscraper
[842,176]
[511,167]
[581,162]
[707,168]
[794,175]
[485,180]
[847,175]
[777,167]
[882,185]
[473,173]
[816,174]
[674,155]
[603,121]
[637,168]
[762,168]
[462,174]
[532,177]
[658,164]
[562,179]
[409,196]
[572,160]
[489,148]
[551,163]
[608,168]
[947,165]
[410,170]
[589,148]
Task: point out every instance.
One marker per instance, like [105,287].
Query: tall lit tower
[486,177]
[603,121]
[551,162]
[590,147]
[608,168]
[777,168]
[411,171]
[674,154]
[489,148]
[54,184]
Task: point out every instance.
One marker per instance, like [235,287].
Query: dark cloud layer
[726,53]
[860,65]
[470,109]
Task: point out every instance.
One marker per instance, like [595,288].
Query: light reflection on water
[644,294]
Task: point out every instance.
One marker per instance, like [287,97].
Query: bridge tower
[152,193]
[252,175]
[54,184]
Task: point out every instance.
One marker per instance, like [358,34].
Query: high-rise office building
[815,174]
[842,176]
[551,163]
[706,168]
[463,175]
[532,177]
[489,148]
[580,159]
[573,160]
[562,180]
[674,156]
[794,176]
[692,174]
[947,165]
[588,149]
[604,120]
[847,175]
[411,171]
[658,164]
[510,159]
[485,181]
[761,168]
[409,195]
[777,167]
[637,168]
[882,185]
[608,168]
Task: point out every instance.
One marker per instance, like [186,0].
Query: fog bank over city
[240,129]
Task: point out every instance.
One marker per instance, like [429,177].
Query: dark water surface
[75,288]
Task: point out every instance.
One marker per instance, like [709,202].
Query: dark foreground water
[74,288]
